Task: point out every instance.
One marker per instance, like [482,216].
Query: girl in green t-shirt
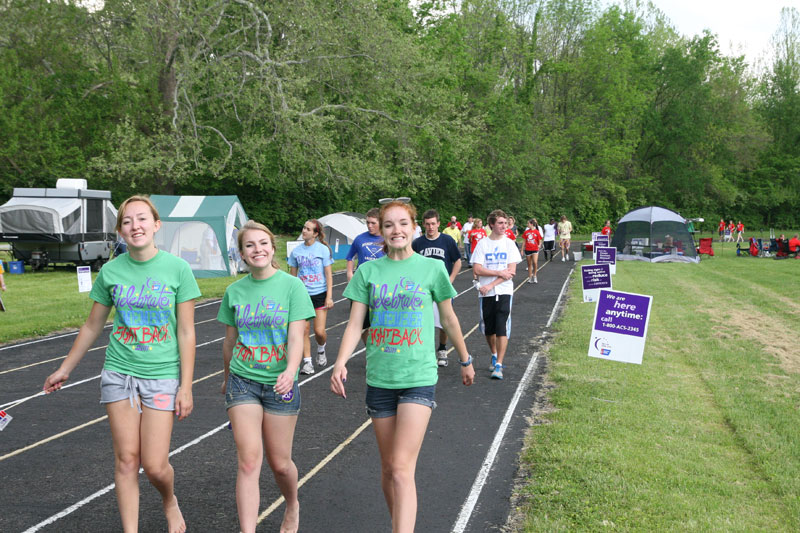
[399,291]
[266,315]
[149,363]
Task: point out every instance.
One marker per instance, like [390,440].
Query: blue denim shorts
[382,403]
[241,391]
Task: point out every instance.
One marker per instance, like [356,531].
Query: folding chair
[706,246]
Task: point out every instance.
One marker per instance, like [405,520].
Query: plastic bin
[16,267]
[577,256]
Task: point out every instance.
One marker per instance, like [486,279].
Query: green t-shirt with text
[143,341]
[400,295]
[261,310]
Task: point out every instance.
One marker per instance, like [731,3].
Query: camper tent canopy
[344,227]
[654,234]
[66,224]
[202,230]
[60,214]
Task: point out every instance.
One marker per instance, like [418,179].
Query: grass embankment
[704,435]
[39,303]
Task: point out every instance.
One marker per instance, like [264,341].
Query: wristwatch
[467,362]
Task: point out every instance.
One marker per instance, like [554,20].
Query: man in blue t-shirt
[367,246]
[443,247]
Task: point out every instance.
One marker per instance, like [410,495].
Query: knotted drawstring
[132,385]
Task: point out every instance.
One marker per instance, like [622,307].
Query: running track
[56,460]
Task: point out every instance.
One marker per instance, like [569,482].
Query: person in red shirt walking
[532,236]
[606,228]
[740,232]
[475,234]
[721,229]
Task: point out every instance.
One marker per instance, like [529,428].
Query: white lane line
[558,300]
[483,474]
[109,488]
[336,451]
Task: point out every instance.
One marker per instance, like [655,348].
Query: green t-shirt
[400,295]
[261,309]
[143,342]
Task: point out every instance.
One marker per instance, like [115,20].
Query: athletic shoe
[563,258]
[530,280]
[307,367]
[322,360]
[535,280]
[493,363]
[441,358]
[497,373]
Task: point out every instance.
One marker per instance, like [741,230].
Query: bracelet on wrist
[467,362]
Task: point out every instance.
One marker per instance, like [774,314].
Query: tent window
[70,223]
[94,216]
[27,221]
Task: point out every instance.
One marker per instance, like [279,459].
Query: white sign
[619,327]
[594,277]
[84,279]
[607,255]
[336,247]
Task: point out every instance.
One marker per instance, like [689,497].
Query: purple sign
[606,255]
[596,277]
[600,240]
[622,312]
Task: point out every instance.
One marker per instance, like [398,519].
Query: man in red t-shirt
[475,234]
[721,229]
[454,222]
[532,236]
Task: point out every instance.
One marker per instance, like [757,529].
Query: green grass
[39,303]
[703,436]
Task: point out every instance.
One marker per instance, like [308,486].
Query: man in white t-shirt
[495,262]
[465,229]
[549,238]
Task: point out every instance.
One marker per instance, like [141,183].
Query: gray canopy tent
[654,234]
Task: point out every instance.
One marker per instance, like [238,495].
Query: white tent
[654,234]
[340,231]
[202,230]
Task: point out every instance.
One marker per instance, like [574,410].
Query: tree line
[305,107]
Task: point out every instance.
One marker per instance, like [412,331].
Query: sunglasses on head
[404,199]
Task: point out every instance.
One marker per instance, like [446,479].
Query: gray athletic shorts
[156,394]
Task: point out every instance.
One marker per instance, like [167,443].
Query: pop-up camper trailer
[67,224]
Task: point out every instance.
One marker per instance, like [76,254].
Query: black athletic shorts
[318,300]
[496,315]
[549,245]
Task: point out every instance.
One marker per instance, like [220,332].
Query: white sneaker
[535,280]
[530,280]
[307,367]
[563,258]
[441,358]
[322,360]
